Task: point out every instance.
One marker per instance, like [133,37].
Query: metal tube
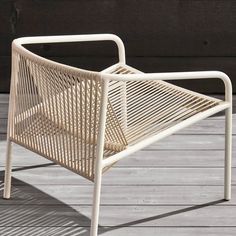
[228,153]
[73,38]
[228,139]
[7,178]
[99,158]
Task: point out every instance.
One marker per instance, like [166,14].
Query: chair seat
[136,110]
[153,106]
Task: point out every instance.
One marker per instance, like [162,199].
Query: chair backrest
[55,112]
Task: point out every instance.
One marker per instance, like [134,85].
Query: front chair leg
[228,153]
[7,179]
[96,203]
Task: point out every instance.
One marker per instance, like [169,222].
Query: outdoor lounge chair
[86,121]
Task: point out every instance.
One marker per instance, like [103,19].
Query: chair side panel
[56,114]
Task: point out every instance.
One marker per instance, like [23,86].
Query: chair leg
[228,153]
[7,180]
[96,204]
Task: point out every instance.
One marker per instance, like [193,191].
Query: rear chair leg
[228,153]
[7,180]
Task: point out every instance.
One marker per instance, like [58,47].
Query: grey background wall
[160,35]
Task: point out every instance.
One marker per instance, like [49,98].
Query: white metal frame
[100,162]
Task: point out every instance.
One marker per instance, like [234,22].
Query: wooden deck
[174,187]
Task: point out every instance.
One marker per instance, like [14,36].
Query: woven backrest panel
[56,113]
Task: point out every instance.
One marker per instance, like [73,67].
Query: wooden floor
[173,187]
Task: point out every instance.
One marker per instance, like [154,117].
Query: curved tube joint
[74,38]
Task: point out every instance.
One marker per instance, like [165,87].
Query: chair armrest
[74,38]
[177,76]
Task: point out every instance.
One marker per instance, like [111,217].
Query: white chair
[86,121]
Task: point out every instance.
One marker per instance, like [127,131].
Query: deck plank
[125,176]
[208,214]
[190,142]
[117,195]
[113,231]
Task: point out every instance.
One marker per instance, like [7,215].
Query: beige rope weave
[56,115]
[152,106]
[56,111]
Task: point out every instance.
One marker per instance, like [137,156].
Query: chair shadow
[32,212]
[171,213]
[27,215]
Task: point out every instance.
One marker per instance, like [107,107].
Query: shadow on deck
[32,213]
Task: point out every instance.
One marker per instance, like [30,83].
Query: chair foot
[5,198]
[7,179]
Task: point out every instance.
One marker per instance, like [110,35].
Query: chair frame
[100,163]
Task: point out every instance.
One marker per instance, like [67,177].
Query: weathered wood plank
[4,98]
[208,214]
[114,231]
[176,158]
[52,231]
[188,142]
[208,126]
[3,137]
[125,176]
[3,110]
[116,195]
[170,231]
[3,125]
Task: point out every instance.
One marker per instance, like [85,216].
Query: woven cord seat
[152,106]
[86,121]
